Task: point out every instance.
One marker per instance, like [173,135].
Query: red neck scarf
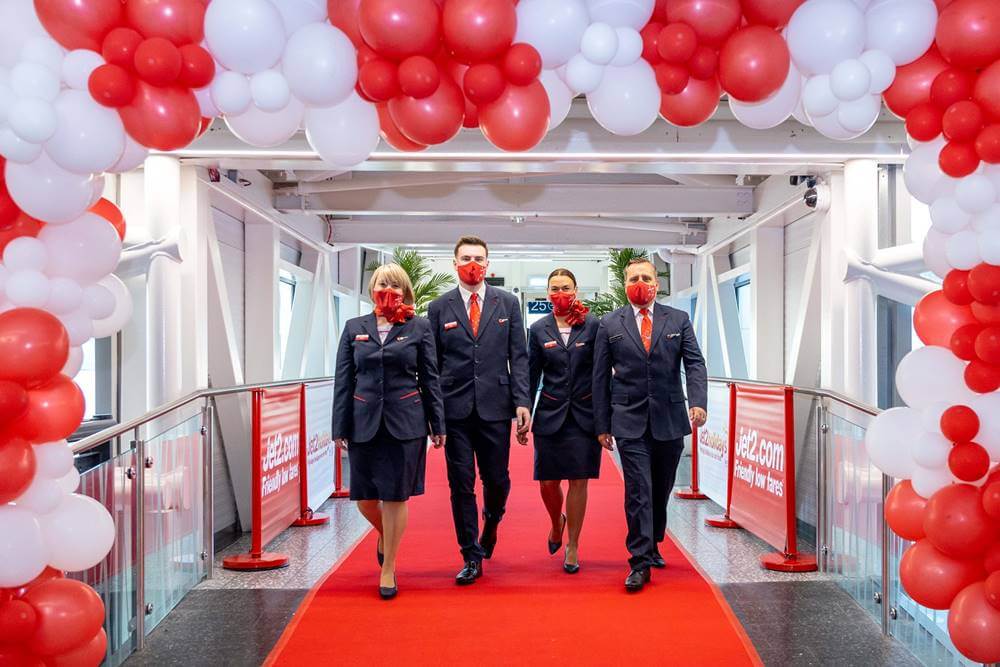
[568,306]
[389,304]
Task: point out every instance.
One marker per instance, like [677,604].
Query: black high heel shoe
[571,569]
[554,546]
[388,592]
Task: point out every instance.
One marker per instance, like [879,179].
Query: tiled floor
[793,620]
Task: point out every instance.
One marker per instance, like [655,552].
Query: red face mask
[389,304]
[471,273]
[641,294]
[561,303]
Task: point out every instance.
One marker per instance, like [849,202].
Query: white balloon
[16,149]
[246,36]
[929,375]
[850,80]
[773,111]
[35,81]
[32,120]
[123,308]
[206,105]
[829,126]
[231,92]
[297,13]
[889,441]
[975,193]
[962,250]
[560,97]
[881,69]
[988,220]
[930,417]
[599,44]
[78,66]
[948,217]
[263,129]
[27,289]
[987,407]
[583,76]
[73,363]
[79,327]
[320,65]
[344,135]
[46,191]
[934,253]
[628,100]
[133,156]
[23,554]
[53,459]
[90,138]
[43,496]
[25,253]
[70,482]
[7,97]
[629,47]
[818,98]
[822,33]
[904,29]
[923,176]
[931,450]
[44,51]
[622,13]
[85,250]
[78,533]
[989,246]
[928,481]
[19,24]
[270,91]
[859,115]
[553,27]
[100,302]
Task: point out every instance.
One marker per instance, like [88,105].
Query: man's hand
[698,416]
[341,442]
[438,441]
[606,441]
[522,439]
[523,420]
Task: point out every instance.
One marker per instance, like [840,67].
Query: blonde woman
[387,400]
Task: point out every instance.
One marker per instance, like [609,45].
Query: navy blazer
[488,372]
[646,389]
[395,382]
[565,372]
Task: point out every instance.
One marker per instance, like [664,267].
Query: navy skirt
[385,468]
[570,453]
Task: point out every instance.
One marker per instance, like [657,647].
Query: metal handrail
[99,438]
[809,391]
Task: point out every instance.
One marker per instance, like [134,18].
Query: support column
[263,356]
[767,280]
[861,237]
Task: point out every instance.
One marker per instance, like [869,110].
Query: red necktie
[647,329]
[474,313]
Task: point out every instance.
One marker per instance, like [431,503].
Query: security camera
[817,197]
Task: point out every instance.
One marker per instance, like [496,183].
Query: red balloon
[968,33]
[197,67]
[991,499]
[379,79]
[960,423]
[754,63]
[17,460]
[119,46]
[91,653]
[963,341]
[974,623]
[904,511]
[164,118]
[988,144]
[956,287]
[962,121]
[17,619]
[704,63]
[483,83]
[112,86]
[391,133]
[932,578]
[993,589]
[471,119]
[54,411]
[693,105]
[968,461]
[432,120]
[988,345]
[987,91]
[936,319]
[344,14]
[522,64]
[13,402]
[773,13]
[158,61]
[478,30]
[713,20]
[984,284]
[9,211]
[69,612]
[34,346]
[958,160]
[991,561]
[676,43]
[107,210]
[518,119]
[912,85]
[981,377]
[206,123]
[986,314]
[650,46]
[923,123]
[15,655]
[23,225]
[47,574]
[180,21]
[671,79]
[951,86]
[418,77]
[397,29]
[79,24]
[956,523]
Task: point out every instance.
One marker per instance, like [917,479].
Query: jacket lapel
[628,320]
[575,333]
[489,306]
[458,307]
[552,329]
[396,330]
[660,317]
[370,325]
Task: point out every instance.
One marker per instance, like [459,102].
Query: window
[286,297]
[744,304]
[98,379]
[896,338]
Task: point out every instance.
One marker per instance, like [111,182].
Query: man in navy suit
[483,362]
[641,404]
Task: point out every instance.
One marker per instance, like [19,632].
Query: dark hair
[638,260]
[562,272]
[471,240]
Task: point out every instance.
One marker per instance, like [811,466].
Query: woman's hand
[438,441]
[340,442]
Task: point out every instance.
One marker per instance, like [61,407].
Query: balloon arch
[89,86]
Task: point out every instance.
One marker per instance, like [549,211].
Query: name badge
[448,326]
[550,344]
[580,344]
[401,338]
[362,337]
[502,320]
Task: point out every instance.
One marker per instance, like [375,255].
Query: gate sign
[277,422]
[539,307]
[760,491]
[318,484]
[713,447]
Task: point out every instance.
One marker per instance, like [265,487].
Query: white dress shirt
[466,294]
[636,310]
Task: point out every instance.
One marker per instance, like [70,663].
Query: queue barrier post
[307,516]
[724,520]
[338,476]
[692,492]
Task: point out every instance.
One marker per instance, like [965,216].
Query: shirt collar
[636,309]
[481,291]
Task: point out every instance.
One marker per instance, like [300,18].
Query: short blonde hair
[393,273]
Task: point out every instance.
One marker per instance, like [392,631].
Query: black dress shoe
[636,579]
[488,540]
[388,592]
[554,546]
[473,570]
[657,560]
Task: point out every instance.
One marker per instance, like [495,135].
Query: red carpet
[524,610]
